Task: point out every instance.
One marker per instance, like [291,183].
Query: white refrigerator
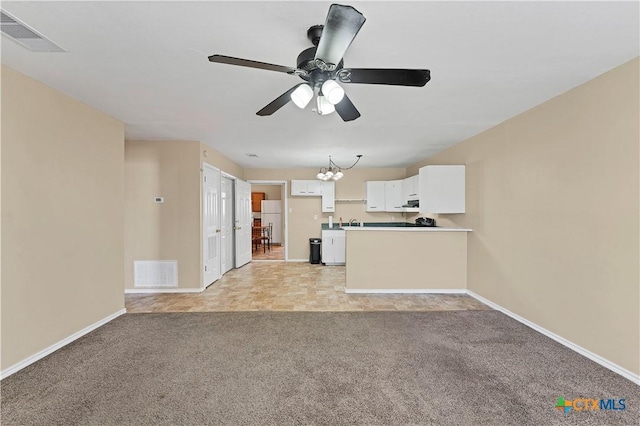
[272,213]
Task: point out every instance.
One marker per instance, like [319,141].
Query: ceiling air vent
[20,33]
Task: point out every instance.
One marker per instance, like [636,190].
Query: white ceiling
[145,63]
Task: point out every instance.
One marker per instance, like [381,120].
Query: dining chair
[256,237]
[267,235]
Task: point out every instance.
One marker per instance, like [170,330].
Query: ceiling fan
[321,66]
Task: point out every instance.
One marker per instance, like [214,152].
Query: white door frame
[239,260]
[285,198]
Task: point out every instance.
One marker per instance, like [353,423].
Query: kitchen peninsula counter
[390,226]
[405,229]
[405,259]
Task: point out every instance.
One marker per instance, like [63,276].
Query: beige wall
[302,225]
[62,220]
[553,201]
[272,192]
[397,260]
[171,230]
[211,156]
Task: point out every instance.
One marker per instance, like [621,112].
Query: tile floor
[292,286]
[276,253]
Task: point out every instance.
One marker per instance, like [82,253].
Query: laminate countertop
[392,226]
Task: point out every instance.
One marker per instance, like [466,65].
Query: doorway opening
[268,211]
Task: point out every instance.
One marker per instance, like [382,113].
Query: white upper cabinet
[328,196]
[442,189]
[389,196]
[410,188]
[375,196]
[393,196]
[309,188]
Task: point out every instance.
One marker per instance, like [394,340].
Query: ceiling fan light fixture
[302,95]
[324,107]
[322,68]
[332,91]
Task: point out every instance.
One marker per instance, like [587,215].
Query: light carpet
[289,368]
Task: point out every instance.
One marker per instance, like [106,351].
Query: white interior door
[243,222]
[226,222]
[211,224]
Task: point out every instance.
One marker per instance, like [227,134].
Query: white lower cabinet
[333,247]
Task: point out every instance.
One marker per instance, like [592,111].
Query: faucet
[351,222]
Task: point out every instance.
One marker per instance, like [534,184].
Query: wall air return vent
[22,34]
[155,273]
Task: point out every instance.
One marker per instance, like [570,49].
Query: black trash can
[314,250]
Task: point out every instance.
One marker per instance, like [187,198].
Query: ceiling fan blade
[278,102]
[340,28]
[390,76]
[251,64]
[346,109]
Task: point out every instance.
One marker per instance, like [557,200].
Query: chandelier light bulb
[333,171]
[324,107]
[332,91]
[302,95]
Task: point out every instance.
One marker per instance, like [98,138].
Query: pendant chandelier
[334,172]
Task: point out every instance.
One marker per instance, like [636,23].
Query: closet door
[227,225]
[211,224]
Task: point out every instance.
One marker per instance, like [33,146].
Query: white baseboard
[407,290]
[163,290]
[33,358]
[635,378]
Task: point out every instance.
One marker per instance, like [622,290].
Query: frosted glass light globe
[332,91]
[324,106]
[302,95]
